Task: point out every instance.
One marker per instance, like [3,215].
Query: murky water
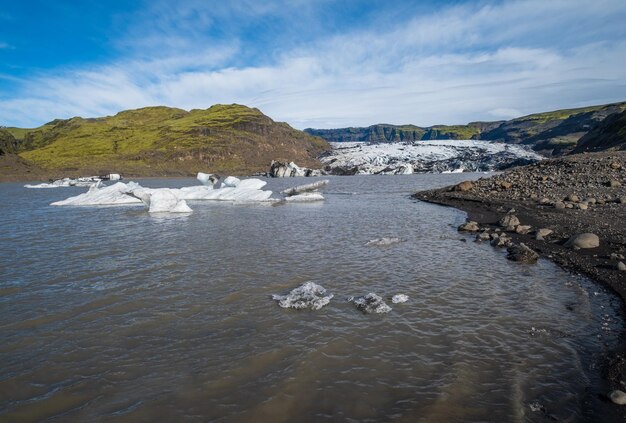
[110,314]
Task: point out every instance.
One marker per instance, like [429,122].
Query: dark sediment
[584,193]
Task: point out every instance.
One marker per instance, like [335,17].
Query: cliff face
[160,141]
[550,134]
[610,134]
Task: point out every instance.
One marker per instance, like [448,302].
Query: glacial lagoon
[116,314]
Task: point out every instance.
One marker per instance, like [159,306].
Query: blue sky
[311,63]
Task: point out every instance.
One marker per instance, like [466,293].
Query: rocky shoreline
[541,208]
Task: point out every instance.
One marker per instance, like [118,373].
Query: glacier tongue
[349,158]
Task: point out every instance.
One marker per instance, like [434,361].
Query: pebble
[618,397]
[621,266]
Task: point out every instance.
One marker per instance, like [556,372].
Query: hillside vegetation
[159,141]
[551,133]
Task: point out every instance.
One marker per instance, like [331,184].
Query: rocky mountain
[160,141]
[552,133]
[609,134]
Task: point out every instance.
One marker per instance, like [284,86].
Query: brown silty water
[111,314]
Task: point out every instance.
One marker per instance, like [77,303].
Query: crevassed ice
[308,295]
[370,303]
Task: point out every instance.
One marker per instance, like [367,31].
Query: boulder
[522,254]
[544,232]
[613,184]
[469,227]
[621,266]
[584,240]
[559,205]
[506,185]
[618,397]
[523,229]
[510,220]
[463,186]
[583,206]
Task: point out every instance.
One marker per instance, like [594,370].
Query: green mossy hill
[8,143]
[159,141]
[551,133]
[609,135]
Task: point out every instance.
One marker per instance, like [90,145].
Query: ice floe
[111,195]
[173,200]
[383,242]
[308,295]
[300,189]
[370,303]
[399,298]
[85,181]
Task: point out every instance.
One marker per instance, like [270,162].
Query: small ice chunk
[306,188]
[308,295]
[383,242]
[305,197]
[207,179]
[399,298]
[370,303]
[231,181]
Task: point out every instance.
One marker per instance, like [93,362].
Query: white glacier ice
[231,181]
[423,156]
[308,295]
[399,298]
[161,200]
[370,303]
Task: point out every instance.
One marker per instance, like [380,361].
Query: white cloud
[465,63]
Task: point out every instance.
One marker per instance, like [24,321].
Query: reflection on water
[113,314]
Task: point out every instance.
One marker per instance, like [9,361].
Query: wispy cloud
[478,60]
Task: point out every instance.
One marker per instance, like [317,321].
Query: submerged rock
[370,303]
[308,295]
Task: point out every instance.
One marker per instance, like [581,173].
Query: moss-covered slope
[159,141]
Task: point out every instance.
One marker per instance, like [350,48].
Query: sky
[315,63]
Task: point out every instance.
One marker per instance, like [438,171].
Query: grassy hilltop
[159,141]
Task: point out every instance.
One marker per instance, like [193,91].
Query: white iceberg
[96,196]
[85,181]
[399,298]
[370,303]
[383,242]
[162,200]
[308,295]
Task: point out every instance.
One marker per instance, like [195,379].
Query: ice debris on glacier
[370,303]
[349,158]
[308,295]
[399,298]
[383,242]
